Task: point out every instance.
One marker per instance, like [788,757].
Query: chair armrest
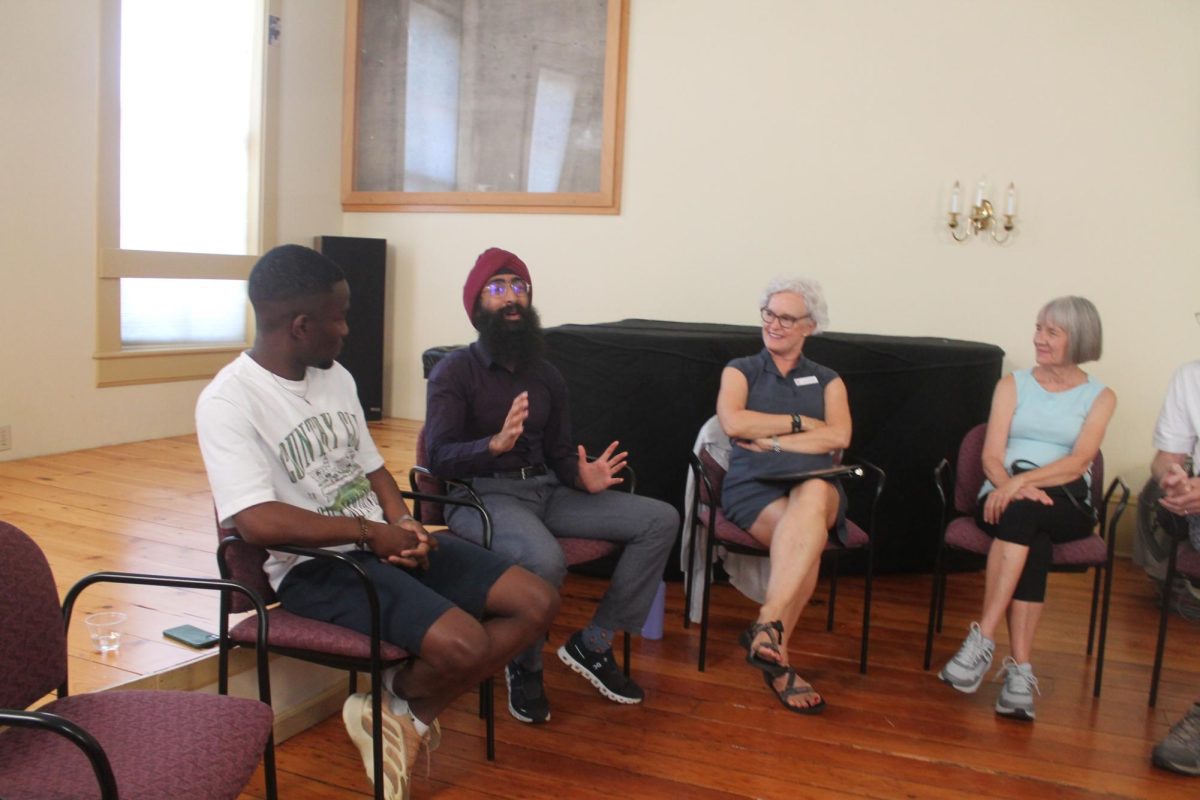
[1116,485]
[473,499]
[61,726]
[876,475]
[840,471]
[222,585]
[1109,531]
[940,482]
[474,502]
[335,555]
[413,472]
[428,473]
[699,475]
[874,479]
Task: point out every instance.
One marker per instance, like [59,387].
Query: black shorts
[460,575]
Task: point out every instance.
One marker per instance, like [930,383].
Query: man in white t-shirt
[290,460]
[1176,438]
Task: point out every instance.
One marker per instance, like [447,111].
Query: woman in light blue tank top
[1044,432]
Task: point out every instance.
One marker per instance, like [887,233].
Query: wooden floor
[896,732]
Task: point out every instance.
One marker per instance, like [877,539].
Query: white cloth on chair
[748,574]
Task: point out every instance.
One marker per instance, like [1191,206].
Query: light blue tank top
[1046,424]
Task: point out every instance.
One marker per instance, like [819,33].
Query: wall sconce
[983,216]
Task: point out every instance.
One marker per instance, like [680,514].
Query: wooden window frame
[122,366]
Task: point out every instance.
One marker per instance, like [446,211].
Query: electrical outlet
[5,437]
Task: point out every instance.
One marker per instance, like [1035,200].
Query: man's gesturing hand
[596,476]
[514,426]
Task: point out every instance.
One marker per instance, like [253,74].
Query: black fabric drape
[652,384]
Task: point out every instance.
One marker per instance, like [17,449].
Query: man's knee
[664,521]
[520,593]
[454,645]
[659,522]
[665,531]
[539,601]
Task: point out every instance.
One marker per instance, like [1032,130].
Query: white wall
[821,138]
[48,173]
[762,137]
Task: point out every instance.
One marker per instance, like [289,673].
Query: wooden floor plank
[716,735]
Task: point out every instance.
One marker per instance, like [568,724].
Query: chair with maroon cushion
[709,519]
[319,642]
[1184,562]
[575,551]
[959,532]
[132,744]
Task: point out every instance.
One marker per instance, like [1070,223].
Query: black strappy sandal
[774,631]
[792,690]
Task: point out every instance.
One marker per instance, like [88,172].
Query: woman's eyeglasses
[786,321]
[498,288]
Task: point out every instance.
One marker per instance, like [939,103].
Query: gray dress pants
[528,516]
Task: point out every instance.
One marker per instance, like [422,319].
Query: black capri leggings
[1038,527]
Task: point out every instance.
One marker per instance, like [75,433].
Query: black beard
[515,343]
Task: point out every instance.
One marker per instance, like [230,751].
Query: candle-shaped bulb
[954,198]
[1010,207]
[979,193]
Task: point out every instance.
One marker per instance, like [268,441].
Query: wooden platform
[896,732]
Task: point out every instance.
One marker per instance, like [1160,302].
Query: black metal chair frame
[61,726]
[374,665]
[943,477]
[1177,528]
[856,470]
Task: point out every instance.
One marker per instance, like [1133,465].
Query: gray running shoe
[1016,696]
[1180,751]
[966,670]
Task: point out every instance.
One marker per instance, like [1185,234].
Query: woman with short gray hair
[1043,433]
[784,414]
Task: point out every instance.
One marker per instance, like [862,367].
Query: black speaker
[365,263]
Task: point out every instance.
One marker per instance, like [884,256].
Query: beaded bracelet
[363,532]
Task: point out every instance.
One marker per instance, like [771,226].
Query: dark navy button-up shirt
[467,399]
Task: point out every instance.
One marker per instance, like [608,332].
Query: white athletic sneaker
[356,714]
[970,664]
[1016,696]
[1180,751]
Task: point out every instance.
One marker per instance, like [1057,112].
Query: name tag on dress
[807,380]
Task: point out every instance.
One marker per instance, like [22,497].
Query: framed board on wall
[484,105]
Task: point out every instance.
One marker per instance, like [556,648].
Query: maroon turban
[491,262]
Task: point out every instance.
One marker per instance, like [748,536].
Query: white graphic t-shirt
[304,443]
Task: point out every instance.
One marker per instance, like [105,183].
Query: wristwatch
[797,423]
[775,446]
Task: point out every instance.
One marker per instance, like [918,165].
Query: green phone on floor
[192,636]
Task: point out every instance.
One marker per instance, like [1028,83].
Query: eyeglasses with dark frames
[786,321]
[498,288]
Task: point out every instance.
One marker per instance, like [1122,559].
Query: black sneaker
[526,697]
[601,669]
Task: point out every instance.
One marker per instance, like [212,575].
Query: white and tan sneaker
[356,714]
